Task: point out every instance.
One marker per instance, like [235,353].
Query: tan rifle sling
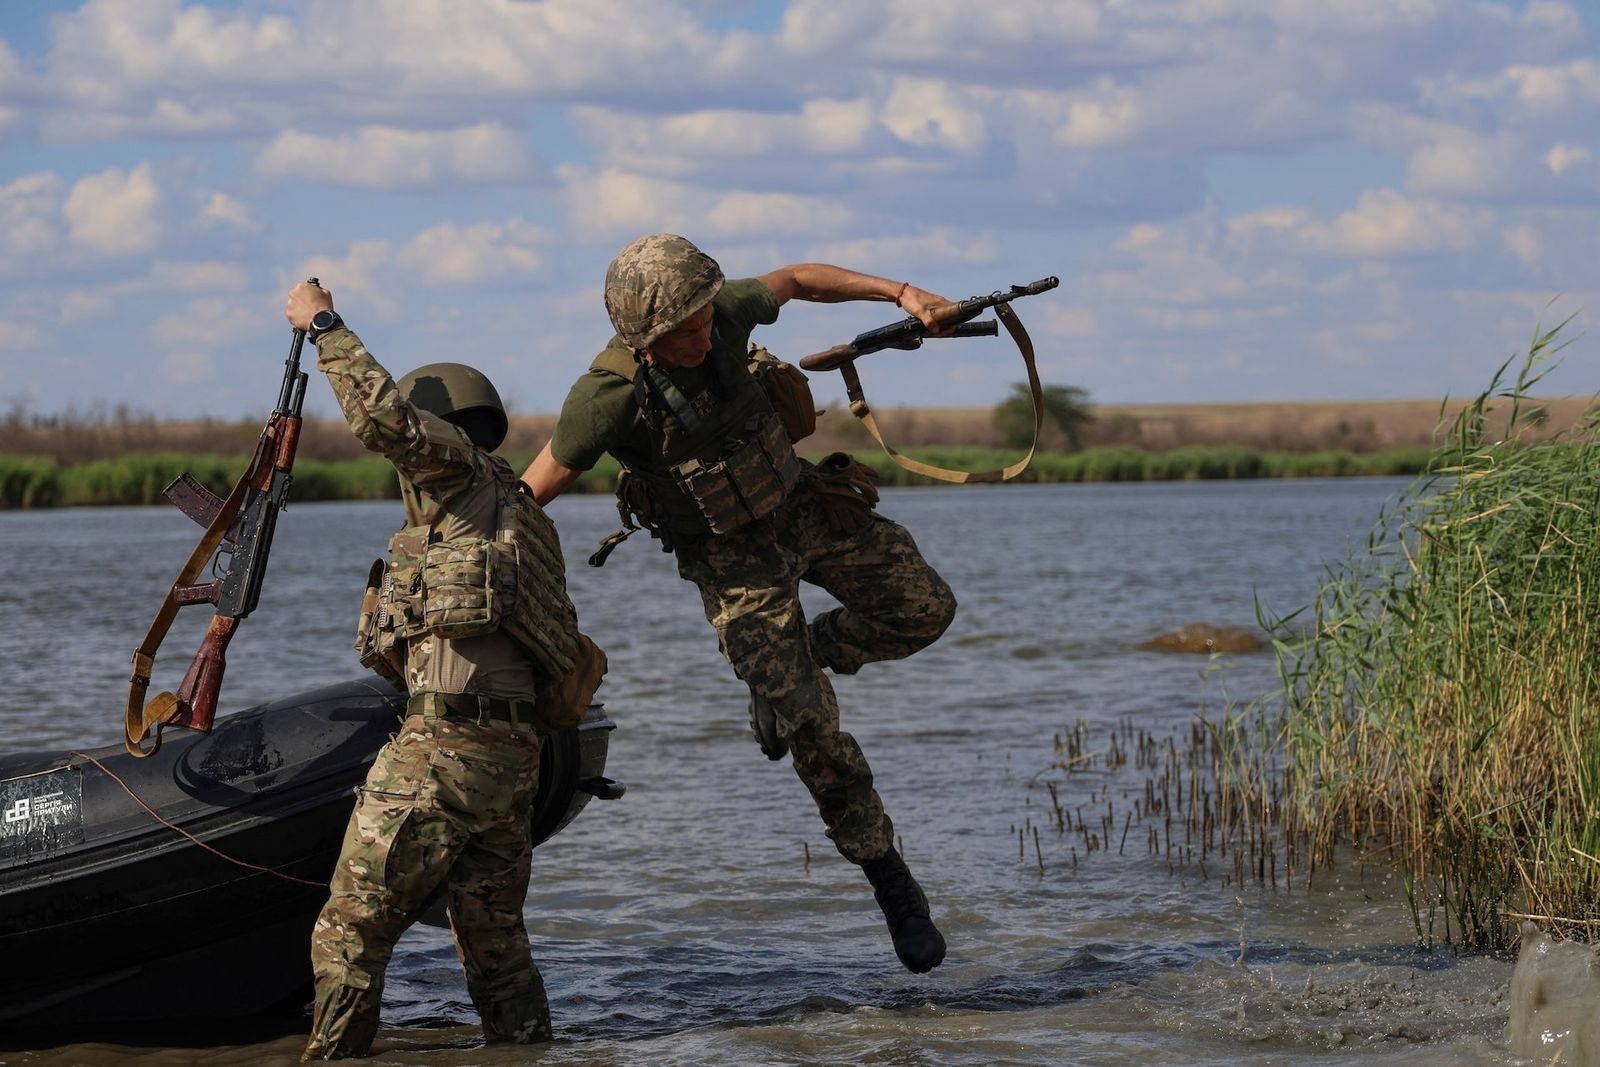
[861,410]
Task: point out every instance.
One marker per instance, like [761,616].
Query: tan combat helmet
[656,283]
[461,395]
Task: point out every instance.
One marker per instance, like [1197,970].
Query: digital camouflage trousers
[893,603]
[445,804]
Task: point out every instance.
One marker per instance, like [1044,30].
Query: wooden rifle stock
[197,693]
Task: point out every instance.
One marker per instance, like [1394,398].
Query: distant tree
[1066,414]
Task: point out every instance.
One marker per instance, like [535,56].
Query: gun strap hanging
[140,719]
[861,410]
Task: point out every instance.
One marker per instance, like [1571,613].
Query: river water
[705,919]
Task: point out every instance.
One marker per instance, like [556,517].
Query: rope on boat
[108,772]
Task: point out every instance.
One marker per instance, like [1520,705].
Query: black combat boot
[764,724]
[917,941]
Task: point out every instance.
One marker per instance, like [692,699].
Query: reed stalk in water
[1445,704]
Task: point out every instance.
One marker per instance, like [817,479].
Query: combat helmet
[656,283]
[461,395]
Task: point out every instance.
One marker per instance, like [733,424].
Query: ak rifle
[237,539]
[949,320]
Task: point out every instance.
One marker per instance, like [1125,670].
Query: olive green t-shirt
[600,415]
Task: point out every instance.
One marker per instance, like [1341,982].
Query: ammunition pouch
[789,393]
[846,490]
[748,481]
[379,648]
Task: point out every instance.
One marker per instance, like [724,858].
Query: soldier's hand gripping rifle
[239,533]
[950,320]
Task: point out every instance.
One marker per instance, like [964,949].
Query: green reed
[1441,706]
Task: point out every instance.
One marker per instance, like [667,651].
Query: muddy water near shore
[705,919]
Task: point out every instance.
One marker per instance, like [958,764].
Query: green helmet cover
[461,395]
[656,283]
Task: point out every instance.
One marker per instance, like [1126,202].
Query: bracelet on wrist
[901,294]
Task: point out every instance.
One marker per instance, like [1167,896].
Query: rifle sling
[861,410]
[139,718]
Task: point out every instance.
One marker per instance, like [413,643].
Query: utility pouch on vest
[788,391]
[747,483]
[380,651]
[846,490]
[461,584]
[565,698]
[402,593]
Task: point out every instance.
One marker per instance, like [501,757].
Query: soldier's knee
[932,616]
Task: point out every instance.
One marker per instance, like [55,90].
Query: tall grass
[1443,707]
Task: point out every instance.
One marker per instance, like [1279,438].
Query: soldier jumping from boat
[704,431]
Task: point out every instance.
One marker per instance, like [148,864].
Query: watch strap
[315,331]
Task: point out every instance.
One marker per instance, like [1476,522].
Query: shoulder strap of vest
[652,389]
[617,360]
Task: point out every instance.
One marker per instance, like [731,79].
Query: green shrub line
[38,482]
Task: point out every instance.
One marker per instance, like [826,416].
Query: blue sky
[1244,199]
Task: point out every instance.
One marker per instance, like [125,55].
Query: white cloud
[113,212]
[176,67]
[742,213]
[386,157]
[224,208]
[357,274]
[609,203]
[613,203]
[948,32]
[210,321]
[197,276]
[1562,156]
[1107,117]
[1384,222]
[448,254]
[830,126]
[940,246]
[1523,243]
[1558,91]
[929,113]
[704,141]
[29,209]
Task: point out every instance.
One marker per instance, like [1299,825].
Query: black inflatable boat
[185,885]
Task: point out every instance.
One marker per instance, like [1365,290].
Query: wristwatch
[323,321]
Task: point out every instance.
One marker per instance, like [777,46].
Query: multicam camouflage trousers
[445,803]
[893,604]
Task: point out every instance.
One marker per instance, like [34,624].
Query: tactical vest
[715,471]
[513,583]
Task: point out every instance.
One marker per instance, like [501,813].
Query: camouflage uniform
[894,602]
[446,802]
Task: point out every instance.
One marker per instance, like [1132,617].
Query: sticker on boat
[40,813]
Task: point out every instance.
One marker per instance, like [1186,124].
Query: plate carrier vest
[469,586]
